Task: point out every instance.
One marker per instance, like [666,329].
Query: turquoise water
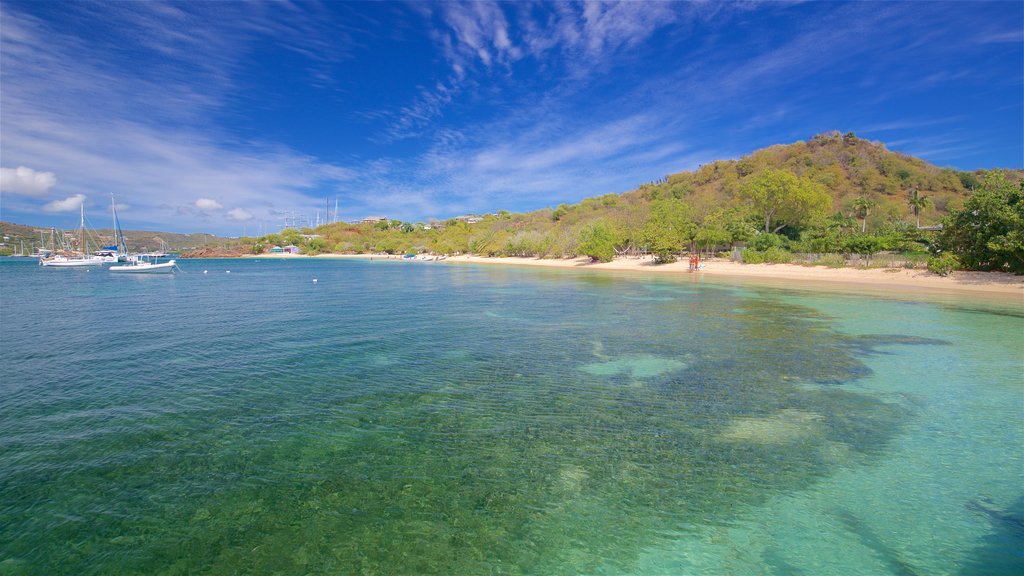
[432,418]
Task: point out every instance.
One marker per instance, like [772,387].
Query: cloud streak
[70,204]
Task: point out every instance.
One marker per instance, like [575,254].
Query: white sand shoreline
[902,281]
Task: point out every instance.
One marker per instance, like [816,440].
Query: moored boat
[79,259]
[140,266]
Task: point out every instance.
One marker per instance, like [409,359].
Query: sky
[235,118]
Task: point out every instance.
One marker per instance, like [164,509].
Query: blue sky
[223,117]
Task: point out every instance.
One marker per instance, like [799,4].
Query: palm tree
[862,208]
[917,203]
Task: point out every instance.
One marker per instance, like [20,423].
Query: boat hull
[72,262]
[145,268]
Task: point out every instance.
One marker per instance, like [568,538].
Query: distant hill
[137,240]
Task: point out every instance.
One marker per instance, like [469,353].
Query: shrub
[772,255]
[831,261]
[763,242]
[664,257]
[598,242]
[943,264]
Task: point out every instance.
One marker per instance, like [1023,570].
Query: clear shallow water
[424,418]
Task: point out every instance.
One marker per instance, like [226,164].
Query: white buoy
[227,271]
[204,271]
[314,280]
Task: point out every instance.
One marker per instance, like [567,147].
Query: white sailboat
[82,259]
[119,251]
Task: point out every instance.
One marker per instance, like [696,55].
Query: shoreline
[874,280]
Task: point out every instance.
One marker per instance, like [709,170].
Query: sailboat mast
[83,227]
[113,217]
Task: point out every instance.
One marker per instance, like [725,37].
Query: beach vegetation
[782,199]
[865,245]
[831,261]
[988,233]
[669,227]
[943,264]
[597,241]
[918,202]
[771,255]
[862,208]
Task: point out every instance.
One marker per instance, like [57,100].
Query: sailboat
[82,259]
[119,251]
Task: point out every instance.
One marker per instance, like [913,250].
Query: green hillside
[137,240]
[832,194]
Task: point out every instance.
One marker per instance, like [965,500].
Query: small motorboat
[140,266]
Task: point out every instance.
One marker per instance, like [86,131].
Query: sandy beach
[876,281]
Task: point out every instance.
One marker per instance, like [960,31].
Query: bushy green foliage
[772,255]
[314,246]
[762,242]
[668,229]
[988,234]
[783,199]
[831,261]
[943,264]
[597,240]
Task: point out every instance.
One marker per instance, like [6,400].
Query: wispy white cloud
[24,180]
[487,38]
[208,204]
[240,214]
[69,204]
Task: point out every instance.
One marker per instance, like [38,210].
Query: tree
[315,246]
[669,225]
[988,234]
[723,228]
[862,208]
[785,200]
[597,240]
[917,203]
[865,245]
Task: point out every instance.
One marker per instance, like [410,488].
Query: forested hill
[846,166]
[823,195]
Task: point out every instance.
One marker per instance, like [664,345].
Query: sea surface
[386,417]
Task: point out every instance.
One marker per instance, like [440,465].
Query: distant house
[469,219]
[373,220]
[291,249]
[276,250]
